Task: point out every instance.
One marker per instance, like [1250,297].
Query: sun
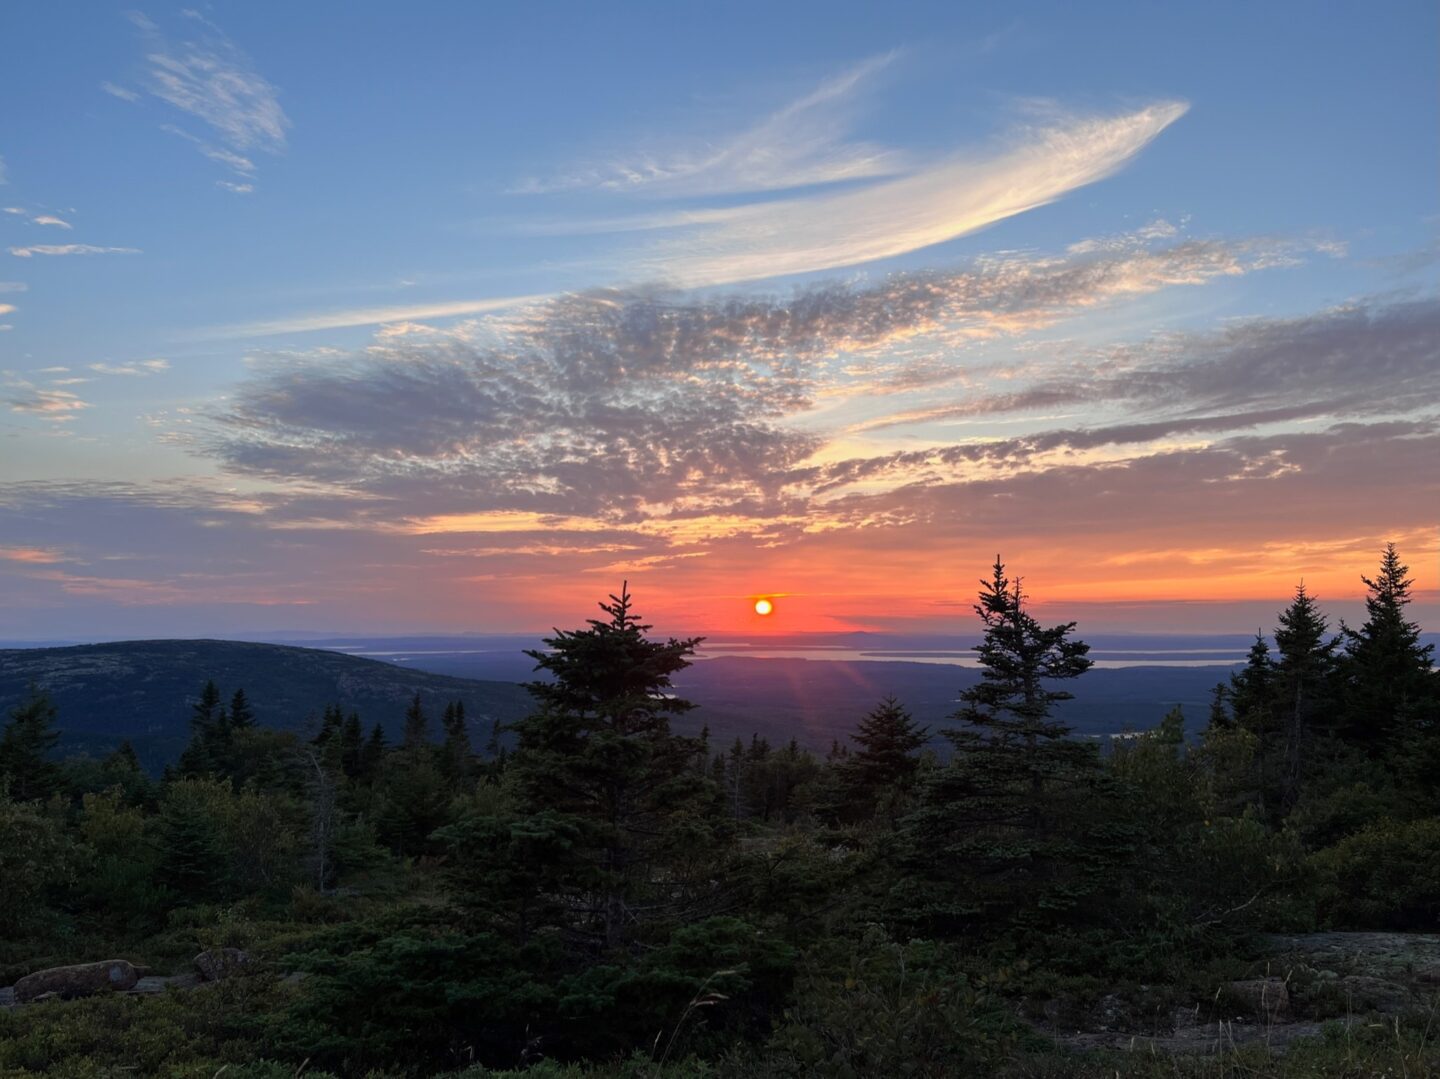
[764,606]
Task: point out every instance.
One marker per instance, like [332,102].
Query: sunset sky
[394,318]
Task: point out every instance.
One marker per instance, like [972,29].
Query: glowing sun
[763,606]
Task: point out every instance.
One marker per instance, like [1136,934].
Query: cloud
[55,405]
[799,145]
[929,206]
[209,79]
[71,249]
[4,174]
[237,189]
[363,316]
[6,308]
[641,403]
[47,219]
[14,286]
[137,369]
[1357,359]
[119,91]
[38,556]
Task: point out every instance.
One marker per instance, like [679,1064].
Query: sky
[450,317]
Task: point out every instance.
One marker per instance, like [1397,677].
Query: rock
[220,963]
[1375,994]
[80,980]
[1267,998]
[158,984]
[7,997]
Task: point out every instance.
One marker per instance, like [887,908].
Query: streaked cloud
[135,369]
[6,308]
[799,145]
[71,249]
[209,79]
[14,286]
[361,316]
[642,404]
[121,92]
[50,219]
[893,217]
[233,188]
[55,405]
[37,556]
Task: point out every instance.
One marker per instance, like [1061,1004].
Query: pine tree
[417,726]
[352,743]
[372,754]
[1303,686]
[208,729]
[1388,685]
[599,754]
[241,716]
[880,773]
[996,831]
[25,747]
[456,756]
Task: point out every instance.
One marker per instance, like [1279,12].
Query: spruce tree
[208,725]
[456,756]
[241,715]
[598,755]
[417,727]
[880,773]
[1388,686]
[996,831]
[352,742]
[1304,688]
[26,744]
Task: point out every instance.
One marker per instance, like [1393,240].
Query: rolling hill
[142,690]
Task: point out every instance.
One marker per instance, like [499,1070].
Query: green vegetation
[609,897]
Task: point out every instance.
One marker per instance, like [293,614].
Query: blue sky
[333,312]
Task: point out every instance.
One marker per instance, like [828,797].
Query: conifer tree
[352,743]
[372,754]
[417,727]
[241,715]
[25,747]
[208,727]
[995,832]
[599,755]
[456,756]
[880,772]
[1388,685]
[1303,686]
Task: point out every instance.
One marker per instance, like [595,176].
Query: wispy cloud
[210,79]
[49,219]
[234,188]
[1360,359]
[121,92]
[6,308]
[71,249]
[635,404]
[360,316]
[38,556]
[799,145]
[14,286]
[888,218]
[4,174]
[55,405]
[136,369]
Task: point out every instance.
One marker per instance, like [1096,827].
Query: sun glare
[763,606]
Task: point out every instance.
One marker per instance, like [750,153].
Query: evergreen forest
[586,892]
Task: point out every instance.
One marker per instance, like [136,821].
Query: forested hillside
[141,691]
[610,897]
